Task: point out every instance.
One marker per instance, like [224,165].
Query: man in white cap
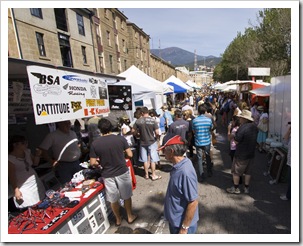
[246,141]
[181,200]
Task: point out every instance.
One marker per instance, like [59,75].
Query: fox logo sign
[47,79]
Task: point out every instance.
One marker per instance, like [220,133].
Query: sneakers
[233,190]
[246,190]
[284,198]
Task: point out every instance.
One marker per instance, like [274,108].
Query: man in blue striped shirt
[202,126]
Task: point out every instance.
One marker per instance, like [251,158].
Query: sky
[208,31]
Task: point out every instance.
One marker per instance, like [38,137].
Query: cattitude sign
[59,95]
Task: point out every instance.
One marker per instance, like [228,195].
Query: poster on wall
[59,95]
[120,97]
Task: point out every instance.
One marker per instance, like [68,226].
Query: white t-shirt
[27,180]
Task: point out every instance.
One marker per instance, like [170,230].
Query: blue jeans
[199,150]
[175,230]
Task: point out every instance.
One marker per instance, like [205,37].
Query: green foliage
[266,45]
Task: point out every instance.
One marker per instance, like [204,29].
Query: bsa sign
[59,95]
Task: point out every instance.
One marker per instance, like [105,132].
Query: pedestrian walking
[202,126]
[246,141]
[263,128]
[148,130]
[108,152]
[181,200]
[167,116]
[178,127]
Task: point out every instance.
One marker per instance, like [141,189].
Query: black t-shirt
[110,150]
[179,127]
[246,136]
[146,127]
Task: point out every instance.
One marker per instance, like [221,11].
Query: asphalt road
[260,212]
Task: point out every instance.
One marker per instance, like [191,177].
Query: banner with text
[59,95]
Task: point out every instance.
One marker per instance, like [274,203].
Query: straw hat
[246,114]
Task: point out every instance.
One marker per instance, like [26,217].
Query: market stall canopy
[178,82]
[230,88]
[135,75]
[220,87]
[177,88]
[193,84]
[139,92]
[237,82]
[262,92]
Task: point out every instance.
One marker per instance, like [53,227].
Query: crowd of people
[178,132]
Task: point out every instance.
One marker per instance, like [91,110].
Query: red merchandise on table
[132,173]
[90,215]
[45,221]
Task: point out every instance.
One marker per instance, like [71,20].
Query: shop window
[37,13]
[40,42]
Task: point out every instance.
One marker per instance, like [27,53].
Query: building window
[40,42]
[123,46]
[83,49]
[65,49]
[111,63]
[37,13]
[80,24]
[125,65]
[108,38]
[61,19]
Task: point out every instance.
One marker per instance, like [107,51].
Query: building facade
[95,40]
[60,37]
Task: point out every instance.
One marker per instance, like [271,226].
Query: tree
[275,37]
[266,45]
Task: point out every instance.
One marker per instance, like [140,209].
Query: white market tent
[139,78]
[178,82]
[230,88]
[193,84]
[139,92]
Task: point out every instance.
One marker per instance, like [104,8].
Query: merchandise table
[89,216]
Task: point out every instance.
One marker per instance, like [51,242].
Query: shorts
[150,150]
[118,187]
[241,167]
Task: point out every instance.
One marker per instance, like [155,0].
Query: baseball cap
[174,140]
